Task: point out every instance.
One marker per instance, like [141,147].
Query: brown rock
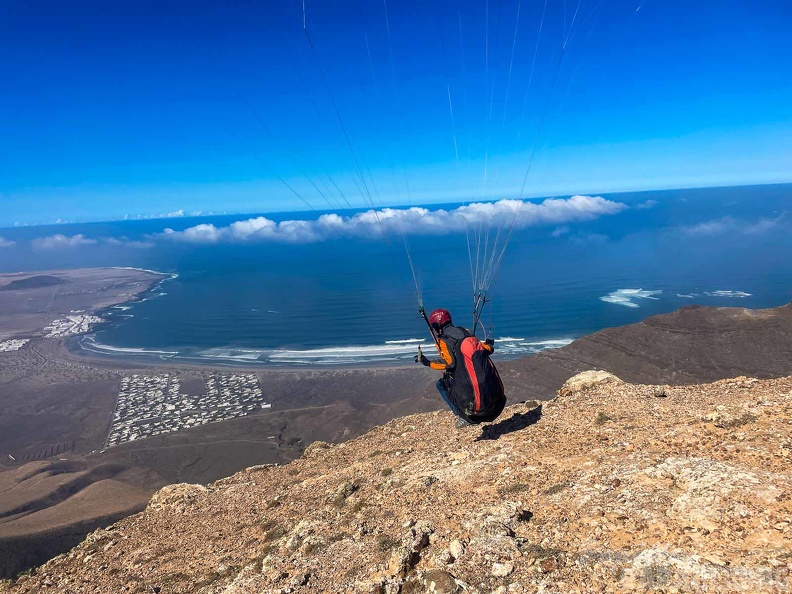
[439,581]
[456,548]
[548,565]
[502,569]
[176,496]
[585,381]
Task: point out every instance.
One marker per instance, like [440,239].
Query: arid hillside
[690,345]
[609,487]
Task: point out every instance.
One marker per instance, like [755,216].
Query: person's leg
[441,387]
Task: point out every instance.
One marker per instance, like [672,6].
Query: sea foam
[392,352]
[627,297]
[740,294]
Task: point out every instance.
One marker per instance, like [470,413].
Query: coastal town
[71,325]
[13,345]
[153,405]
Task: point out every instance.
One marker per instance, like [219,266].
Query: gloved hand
[489,342]
[420,358]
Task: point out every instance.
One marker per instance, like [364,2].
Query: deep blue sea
[352,300]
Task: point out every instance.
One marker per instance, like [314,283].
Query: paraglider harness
[477,390]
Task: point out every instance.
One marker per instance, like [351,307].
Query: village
[71,325]
[13,345]
[153,405]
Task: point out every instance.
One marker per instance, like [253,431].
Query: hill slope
[691,345]
[33,282]
[608,487]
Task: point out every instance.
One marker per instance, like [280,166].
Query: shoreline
[76,346]
[72,347]
[401,359]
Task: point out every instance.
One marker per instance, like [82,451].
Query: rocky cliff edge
[609,487]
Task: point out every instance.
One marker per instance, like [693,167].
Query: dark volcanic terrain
[57,409]
[32,282]
[691,345]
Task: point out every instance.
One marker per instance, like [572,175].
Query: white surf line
[626,297]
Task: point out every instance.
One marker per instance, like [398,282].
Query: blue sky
[146,108]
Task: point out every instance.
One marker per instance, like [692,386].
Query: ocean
[351,299]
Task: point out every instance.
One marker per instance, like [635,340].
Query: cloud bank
[6,243]
[646,205]
[126,242]
[412,221]
[731,225]
[61,241]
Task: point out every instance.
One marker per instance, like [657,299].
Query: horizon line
[319,212]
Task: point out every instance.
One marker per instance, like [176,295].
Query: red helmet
[439,318]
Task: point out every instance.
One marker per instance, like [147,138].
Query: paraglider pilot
[470,384]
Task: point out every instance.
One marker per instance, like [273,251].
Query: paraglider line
[343,129]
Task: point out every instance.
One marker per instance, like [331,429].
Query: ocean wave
[626,297]
[363,353]
[229,354]
[394,352]
[90,344]
[739,294]
[517,347]
[720,293]
[554,343]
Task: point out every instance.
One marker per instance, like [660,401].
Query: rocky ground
[609,487]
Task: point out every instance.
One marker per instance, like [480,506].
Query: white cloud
[646,205]
[60,241]
[123,241]
[165,215]
[589,239]
[411,221]
[731,225]
[6,243]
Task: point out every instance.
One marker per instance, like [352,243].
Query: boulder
[586,381]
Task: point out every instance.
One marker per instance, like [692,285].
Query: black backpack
[476,388]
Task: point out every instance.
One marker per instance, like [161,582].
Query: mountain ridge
[693,344]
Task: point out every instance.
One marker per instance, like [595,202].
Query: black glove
[420,358]
[489,342]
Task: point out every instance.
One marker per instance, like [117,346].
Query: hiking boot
[462,423]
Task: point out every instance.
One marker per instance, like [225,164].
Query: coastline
[81,347]
[57,304]
[394,354]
